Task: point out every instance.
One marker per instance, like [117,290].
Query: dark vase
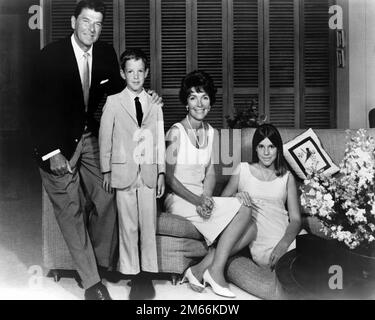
[316,256]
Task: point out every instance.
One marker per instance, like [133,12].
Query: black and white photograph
[187,150]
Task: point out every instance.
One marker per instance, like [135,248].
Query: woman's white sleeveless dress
[271,217]
[190,170]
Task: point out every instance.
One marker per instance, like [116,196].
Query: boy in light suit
[132,159]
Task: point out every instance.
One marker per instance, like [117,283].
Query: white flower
[328,199]
[352,194]
[360,216]
[311,193]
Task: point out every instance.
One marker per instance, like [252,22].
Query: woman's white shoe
[193,281]
[216,288]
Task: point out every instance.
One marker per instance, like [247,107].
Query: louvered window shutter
[137,29]
[137,24]
[209,53]
[173,57]
[280,62]
[297,71]
[245,73]
[107,30]
[318,103]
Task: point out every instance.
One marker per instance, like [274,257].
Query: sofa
[179,244]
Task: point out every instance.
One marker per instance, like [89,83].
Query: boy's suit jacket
[126,148]
[58,115]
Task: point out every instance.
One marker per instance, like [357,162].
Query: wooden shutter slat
[245,44]
[173,111]
[107,31]
[209,38]
[282,110]
[173,42]
[281,43]
[317,111]
[317,77]
[316,43]
[137,28]
[246,48]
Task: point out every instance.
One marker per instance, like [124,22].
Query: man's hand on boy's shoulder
[155,98]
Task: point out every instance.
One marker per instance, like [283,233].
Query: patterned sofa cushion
[175,255]
[305,152]
[175,226]
[250,277]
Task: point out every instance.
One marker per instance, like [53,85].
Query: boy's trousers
[137,228]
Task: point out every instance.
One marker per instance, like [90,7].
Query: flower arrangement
[247,118]
[346,205]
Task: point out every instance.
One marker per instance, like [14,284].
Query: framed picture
[307,154]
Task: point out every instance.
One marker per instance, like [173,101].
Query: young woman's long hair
[270,131]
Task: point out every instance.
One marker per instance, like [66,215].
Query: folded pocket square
[103,81]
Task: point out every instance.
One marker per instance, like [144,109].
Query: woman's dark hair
[200,81]
[96,5]
[270,131]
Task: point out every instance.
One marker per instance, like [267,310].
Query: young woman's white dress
[190,169]
[271,217]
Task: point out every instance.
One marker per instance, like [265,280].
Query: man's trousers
[92,240]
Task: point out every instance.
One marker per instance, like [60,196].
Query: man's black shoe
[142,288]
[97,292]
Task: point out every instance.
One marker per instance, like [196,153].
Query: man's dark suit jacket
[58,116]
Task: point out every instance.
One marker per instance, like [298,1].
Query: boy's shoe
[142,288]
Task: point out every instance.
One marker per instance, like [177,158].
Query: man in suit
[72,77]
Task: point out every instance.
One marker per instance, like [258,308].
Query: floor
[21,272]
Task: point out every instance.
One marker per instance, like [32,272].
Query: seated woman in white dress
[225,223]
[271,188]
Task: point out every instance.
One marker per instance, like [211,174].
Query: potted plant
[345,205]
[247,118]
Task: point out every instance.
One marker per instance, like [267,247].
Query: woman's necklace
[195,135]
[264,176]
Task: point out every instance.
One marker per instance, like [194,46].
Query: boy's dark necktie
[138,108]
